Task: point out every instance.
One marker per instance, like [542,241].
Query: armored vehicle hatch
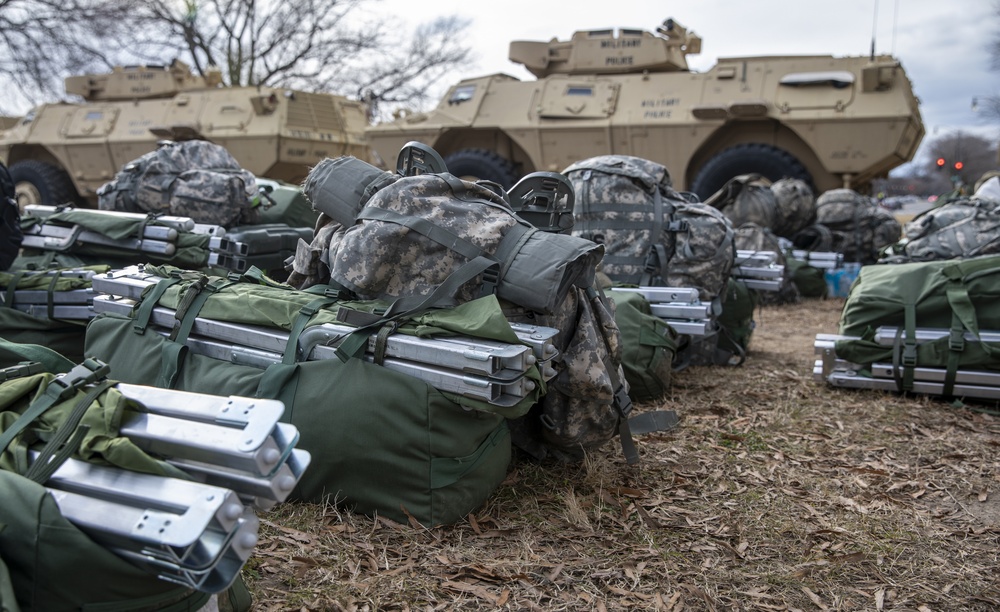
[63,152]
[831,121]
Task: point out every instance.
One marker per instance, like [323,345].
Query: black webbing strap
[58,389]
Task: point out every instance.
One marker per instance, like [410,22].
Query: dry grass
[775,493]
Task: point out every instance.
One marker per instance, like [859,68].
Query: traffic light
[959,165]
[940,163]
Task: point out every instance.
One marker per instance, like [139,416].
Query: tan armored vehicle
[833,121]
[64,152]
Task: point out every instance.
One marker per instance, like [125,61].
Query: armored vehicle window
[837,79]
[579,91]
[93,116]
[462,94]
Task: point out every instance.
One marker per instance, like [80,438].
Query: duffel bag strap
[59,389]
[353,345]
[8,298]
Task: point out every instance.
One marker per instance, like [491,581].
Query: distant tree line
[334,46]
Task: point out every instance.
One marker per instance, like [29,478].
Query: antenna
[874,28]
[895,14]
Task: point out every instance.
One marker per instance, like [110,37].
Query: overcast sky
[942,44]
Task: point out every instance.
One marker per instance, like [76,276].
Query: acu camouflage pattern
[383,259]
[795,205]
[194,178]
[577,412]
[311,263]
[963,228]
[748,199]
[860,229]
[615,206]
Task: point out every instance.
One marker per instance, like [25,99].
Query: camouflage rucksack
[193,178]
[963,228]
[422,237]
[796,206]
[651,233]
[860,229]
[10,220]
[747,199]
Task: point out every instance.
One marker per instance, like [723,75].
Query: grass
[775,493]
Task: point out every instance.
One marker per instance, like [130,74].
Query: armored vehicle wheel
[763,159]
[481,164]
[37,182]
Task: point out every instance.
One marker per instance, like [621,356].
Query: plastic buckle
[956,340]
[491,278]
[678,226]
[909,359]
[25,368]
[91,370]
[623,401]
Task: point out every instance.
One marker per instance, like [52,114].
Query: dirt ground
[776,492]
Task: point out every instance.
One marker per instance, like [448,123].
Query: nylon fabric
[343,411]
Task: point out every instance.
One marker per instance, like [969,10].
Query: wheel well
[36,152]
[491,140]
[763,132]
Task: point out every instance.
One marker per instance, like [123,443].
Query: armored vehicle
[832,121]
[64,152]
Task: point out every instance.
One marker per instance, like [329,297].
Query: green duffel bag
[648,347]
[736,323]
[52,565]
[282,202]
[809,280]
[958,296]
[935,294]
[382,442]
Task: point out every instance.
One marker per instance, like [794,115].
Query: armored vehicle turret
[831,121]
[63,152]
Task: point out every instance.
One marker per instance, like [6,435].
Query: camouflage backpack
[193,178]
[424,237]
[10,220]
[963,228]
[651,233]
[747,199]
[859,228]
[796,206]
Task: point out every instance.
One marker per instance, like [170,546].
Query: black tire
[771,162]
[482,164]
[40,183]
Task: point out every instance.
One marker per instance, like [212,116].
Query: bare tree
[42,41]
[966,156]
[988,106]
[315,45]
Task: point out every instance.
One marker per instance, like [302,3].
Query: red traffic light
[940,162]
[959,165]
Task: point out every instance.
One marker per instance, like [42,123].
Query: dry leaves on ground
[775,493]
